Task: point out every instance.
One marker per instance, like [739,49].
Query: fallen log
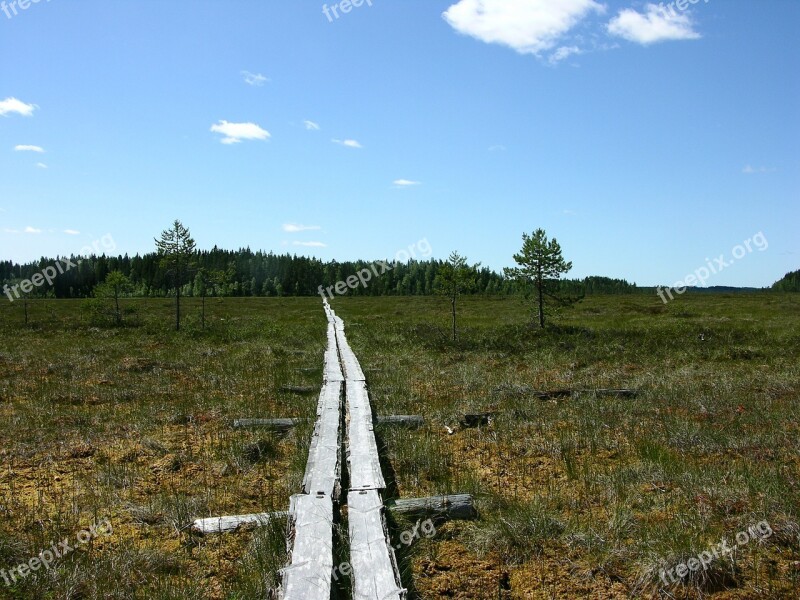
[410,421]
[454,507]
[233,523]
[278,425]
[548,395]
[626,393]
[300,389]
[284,425]
[460,507]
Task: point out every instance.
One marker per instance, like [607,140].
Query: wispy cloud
[236,132]
[30,229]
[256,79]
[28,148]
[406,183]
[41,165]
[657,24]
[297,227]
[310,244]
[72,232]
[497,148]
[751,170]
[348,143]
[563,53]
[311,125]
[12,105]
[527,26]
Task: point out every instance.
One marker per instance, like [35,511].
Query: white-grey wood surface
[308,575]
[375,574]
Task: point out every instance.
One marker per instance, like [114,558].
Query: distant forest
[249,273]
[789,283]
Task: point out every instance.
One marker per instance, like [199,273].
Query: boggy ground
[584,496]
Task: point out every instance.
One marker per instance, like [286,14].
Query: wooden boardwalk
[343,407]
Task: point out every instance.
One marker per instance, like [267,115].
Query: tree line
[248,273]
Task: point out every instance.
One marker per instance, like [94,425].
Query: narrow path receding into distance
[343,407]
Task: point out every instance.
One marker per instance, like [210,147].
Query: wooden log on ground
[548,395]
[284,425]
[410,421]
[278,425]
[454,507]
[625,393]
[303,390]
[233,523]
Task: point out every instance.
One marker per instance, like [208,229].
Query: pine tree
[455,278]
[541,264]
[176,256]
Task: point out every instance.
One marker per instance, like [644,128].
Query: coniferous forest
[248,273]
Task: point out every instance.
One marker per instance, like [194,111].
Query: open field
[584,496]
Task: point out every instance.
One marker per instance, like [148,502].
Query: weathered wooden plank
[324,459]
[453,507]
[309,574]
[229,524]
[333,369]
[350,365]
[362,451]
[371,556]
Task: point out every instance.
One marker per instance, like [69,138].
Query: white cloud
[527,26]
[30,229]
[256,79]
[41,165]
[658,24]
[348,143]
[405,182]
[236,132]
[310,244]
[497,148]
[751,170]
[12,105]
[28,148]
[311,126]
[563,53]
[72,232]
[297,228]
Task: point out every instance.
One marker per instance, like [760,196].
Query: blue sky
[646,139]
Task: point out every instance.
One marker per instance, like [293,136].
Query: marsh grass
[581,496]
[589,495]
